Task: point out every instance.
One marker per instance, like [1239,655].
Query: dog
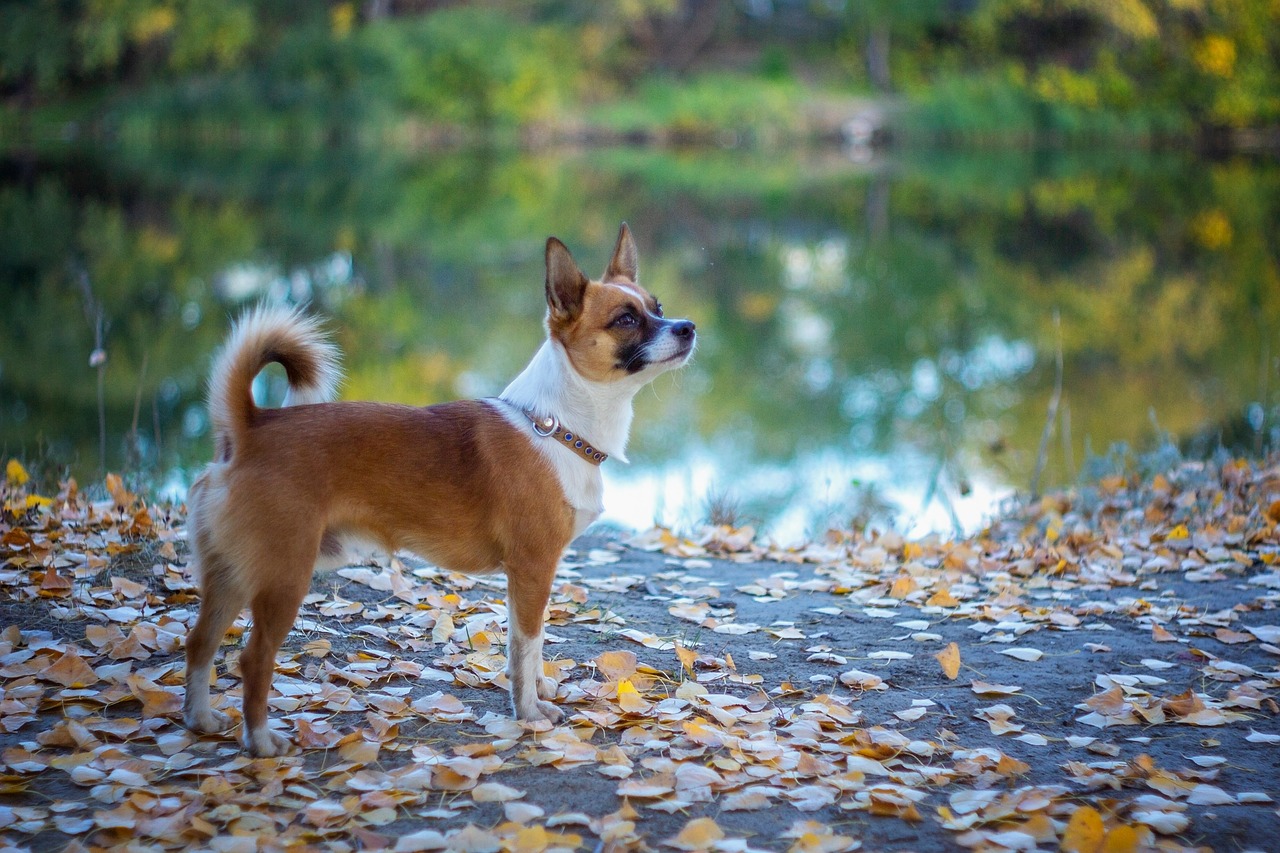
[498,484]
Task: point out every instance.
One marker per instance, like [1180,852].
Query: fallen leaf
[698,834]
[495,792]
[1084,832]
[687,658]
[949,660]
[70,670]
[1122,839]
[616,666]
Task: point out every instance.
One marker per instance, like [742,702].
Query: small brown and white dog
[501,484]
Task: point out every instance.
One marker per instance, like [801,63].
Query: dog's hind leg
[274,610]
[220,603]
[528,590]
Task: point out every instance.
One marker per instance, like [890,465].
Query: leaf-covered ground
[1098,671]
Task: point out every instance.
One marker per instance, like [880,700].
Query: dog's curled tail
[261,336]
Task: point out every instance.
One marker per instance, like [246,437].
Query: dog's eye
[624,320]
[657,307]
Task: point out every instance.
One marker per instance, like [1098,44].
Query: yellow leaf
[629,699]
[949,659]
[698,834]
[698,733]
[1121,839]
[942,598]
[1160,635]
[1179,532]
[687,658]
[912,551]
[1084,832]
[902,587]
[15,473]
[531,839]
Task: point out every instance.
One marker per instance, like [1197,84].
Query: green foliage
[35,45]
[1140,70]
[51,47]
[470,66]
[1137,69]
[1056,104]
[706,105]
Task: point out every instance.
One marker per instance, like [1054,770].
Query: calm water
[878,340]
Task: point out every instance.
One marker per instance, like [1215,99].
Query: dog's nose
[683,328]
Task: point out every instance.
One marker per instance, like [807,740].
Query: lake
[879,334]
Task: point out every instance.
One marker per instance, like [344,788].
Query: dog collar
[550,427]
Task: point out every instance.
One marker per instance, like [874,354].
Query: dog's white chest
[583,519]
[579,480]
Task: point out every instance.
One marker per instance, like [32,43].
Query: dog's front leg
[528,590]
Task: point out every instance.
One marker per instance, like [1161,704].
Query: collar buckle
[543,426]
[548,426]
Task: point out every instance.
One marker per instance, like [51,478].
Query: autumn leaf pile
[1095,671]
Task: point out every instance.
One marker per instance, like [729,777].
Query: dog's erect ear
[566,284]
[624,263]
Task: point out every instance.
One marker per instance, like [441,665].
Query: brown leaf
[54,584]
[616,666]
[70,670]
[156,701]
[119,494]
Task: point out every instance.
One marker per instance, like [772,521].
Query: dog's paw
[539,711]
[547,687]
[264,743]
[207,721]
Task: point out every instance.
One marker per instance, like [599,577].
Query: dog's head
[612,329]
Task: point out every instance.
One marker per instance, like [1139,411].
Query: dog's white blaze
[632,290]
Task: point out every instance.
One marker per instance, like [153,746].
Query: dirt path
[1116,675]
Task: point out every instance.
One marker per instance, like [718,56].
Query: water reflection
[877,339]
